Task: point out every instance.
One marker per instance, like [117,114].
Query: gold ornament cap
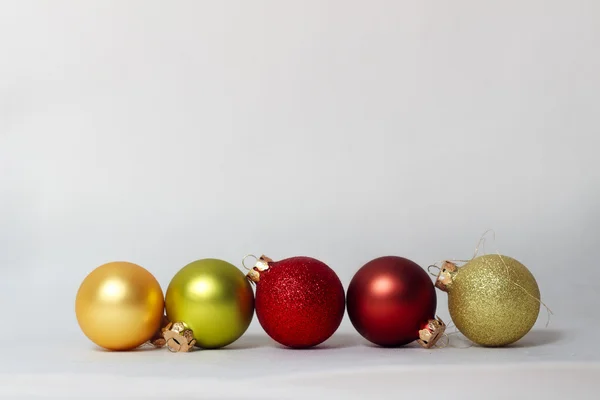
[178,338]
[432,332]
[446,276]
[261,264]
[158,340]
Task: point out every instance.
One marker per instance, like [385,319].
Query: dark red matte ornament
[391,301]
[299,301]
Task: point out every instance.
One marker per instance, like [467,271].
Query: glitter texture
[299,301]
[486,303]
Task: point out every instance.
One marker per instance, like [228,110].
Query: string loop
[169,347]
[433,266]
[246,257]
[481,244]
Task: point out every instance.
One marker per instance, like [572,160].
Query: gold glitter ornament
[493,300]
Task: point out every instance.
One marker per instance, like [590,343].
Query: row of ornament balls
[493,300]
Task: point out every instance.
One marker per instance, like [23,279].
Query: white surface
[163,132]
[549,363]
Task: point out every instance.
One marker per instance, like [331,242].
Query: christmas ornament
[299,300]
[391,301]
[213,300]
[119,306]
[494,300]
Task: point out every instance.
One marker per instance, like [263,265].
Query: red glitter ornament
[299,301]
[392,301]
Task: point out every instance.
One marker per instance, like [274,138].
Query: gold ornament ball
[119,306]
[494,300]
[212,298]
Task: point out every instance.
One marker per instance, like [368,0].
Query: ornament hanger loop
[170,347]
[482,239]
[245,258]
[442,345]
[433,266]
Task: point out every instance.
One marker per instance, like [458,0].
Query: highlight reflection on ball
[119,306]
[214,299]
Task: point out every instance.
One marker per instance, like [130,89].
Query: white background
[163,132]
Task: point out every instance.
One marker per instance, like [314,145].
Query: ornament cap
[158,340]
[178,338]
[431,333]
[446,276]
[261,264]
